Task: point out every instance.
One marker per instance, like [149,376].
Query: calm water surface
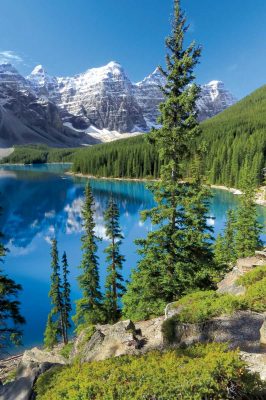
[40,201]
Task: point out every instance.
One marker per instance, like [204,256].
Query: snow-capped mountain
[100,104]
[26,117]
[105,98]
[214,99]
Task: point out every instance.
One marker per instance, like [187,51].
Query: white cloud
[9,56]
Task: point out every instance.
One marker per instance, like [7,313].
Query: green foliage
[248,230]
[87,332]
[239,133]
[114,280]
[253,276]
[39,154]
[56,317]
[210,372]
[224,249]
[67,308]
[255,296]
[240,136]
[67,349]
[10,316]
[130,158]
[176,254]
[89,307]
[51,333]
[203,305]
[169,328]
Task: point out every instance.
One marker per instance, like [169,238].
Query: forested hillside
[131,158]
[39,154]
[235,141]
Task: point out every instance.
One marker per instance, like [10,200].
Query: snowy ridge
[98,105]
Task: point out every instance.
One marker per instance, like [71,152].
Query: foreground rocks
[243,265]
[33,363]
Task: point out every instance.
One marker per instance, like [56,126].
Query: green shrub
[168,329]
[199,372]
[255,297]
[253,276]
[66,350]
[203,305]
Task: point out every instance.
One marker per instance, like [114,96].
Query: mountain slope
[235,141]
[105,98]
[28,118]
[95,106]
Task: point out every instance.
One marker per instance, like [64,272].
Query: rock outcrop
[243,265]
[108,341]
[97,105]
[263,334]
[34,362]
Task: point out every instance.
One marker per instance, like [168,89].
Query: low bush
[199,372]
[66,350]
[253,276]
[203,305]
[255,297]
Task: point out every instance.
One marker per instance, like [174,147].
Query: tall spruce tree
[50,333]
[224,248]
[248,229]
[177,254]
[114,280]
[10,316]
[89,307]
[67,308]
[55,319]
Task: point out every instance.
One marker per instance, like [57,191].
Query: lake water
[40,201]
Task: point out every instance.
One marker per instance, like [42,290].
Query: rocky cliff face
[94,106]
[28,117]
[105,98]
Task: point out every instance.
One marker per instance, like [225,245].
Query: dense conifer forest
[234,139]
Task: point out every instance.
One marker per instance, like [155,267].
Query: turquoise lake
[41,201]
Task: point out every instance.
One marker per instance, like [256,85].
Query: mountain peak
[38,70]
[8,68]
[155,78]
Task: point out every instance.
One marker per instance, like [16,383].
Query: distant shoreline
[259,200]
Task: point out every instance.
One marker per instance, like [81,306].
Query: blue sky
[70,36]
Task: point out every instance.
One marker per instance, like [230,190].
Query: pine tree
[114,281]
[219,246]
[51,333]
[248,230]
[224,248]
[10,316]
[177,255]
[66,296]
[56,316]
[89,307]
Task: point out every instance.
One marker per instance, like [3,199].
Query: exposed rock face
[242,330]
[108,341]
[214,99]
[243,265]
[26,117]
[105,98]
[34,362]
[263,333]
[87,108]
